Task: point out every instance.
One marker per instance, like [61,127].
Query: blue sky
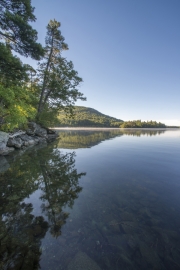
[126,51]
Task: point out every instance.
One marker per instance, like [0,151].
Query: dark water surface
[93,200]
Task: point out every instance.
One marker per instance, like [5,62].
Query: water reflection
[126,217]
[142,132]
[73,139]
[55,176]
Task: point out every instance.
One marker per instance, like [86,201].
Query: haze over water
[93,200]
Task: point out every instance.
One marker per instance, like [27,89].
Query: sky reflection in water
[93,199]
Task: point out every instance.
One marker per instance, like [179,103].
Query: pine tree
[58,79]
[15,29]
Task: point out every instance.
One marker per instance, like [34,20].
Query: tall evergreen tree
[16,30]
[58,79]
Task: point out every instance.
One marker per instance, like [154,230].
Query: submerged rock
[6,151]
[3,140]
[4,164]
[82,261]
[114,226]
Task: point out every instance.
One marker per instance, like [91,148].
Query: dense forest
[142,124]
[25,93]
[87,117]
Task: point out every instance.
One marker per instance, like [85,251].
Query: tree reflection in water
[74,139]
[53,173]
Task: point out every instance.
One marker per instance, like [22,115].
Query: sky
[126,51]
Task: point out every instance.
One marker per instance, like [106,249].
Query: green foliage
[16,99]
[58,80]
[87,117]
[140,124]
[48,117]
[15,107]
[12,70]
[16,30]
[22,89]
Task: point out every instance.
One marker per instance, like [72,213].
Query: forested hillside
[87,117]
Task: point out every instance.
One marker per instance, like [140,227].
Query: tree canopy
[28,94]
[87,117]
[15,29]
[58,80]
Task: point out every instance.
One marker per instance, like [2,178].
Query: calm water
[93,200]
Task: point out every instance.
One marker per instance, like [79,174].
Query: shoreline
[100,128]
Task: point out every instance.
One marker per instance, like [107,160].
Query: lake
[93,199]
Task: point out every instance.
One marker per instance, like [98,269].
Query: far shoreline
[105,128]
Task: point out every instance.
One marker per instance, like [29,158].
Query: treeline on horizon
[142,124]
[27,93]
[88,117]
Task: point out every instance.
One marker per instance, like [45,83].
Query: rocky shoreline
[35,134]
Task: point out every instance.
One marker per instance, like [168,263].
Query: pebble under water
[93,200]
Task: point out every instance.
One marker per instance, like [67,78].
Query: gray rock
[15,142]
[83,262]
[42,140]
[4,164]
[29,140]
[30,132]
[6,151]
[35,129]
[41,132]
[3,140]
[26,143]
[51,137]
[50,131]
[32,142]
[25,137]
[36,139]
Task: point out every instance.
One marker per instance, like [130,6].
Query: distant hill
[87,117]
[142,124]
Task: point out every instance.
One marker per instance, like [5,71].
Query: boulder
[3,140]
[50,131]
[35,129]
[42,140]
[6,151]
[82,261]
[4,164]
[15,142]
[29,140]
[51,137]
[30,132]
